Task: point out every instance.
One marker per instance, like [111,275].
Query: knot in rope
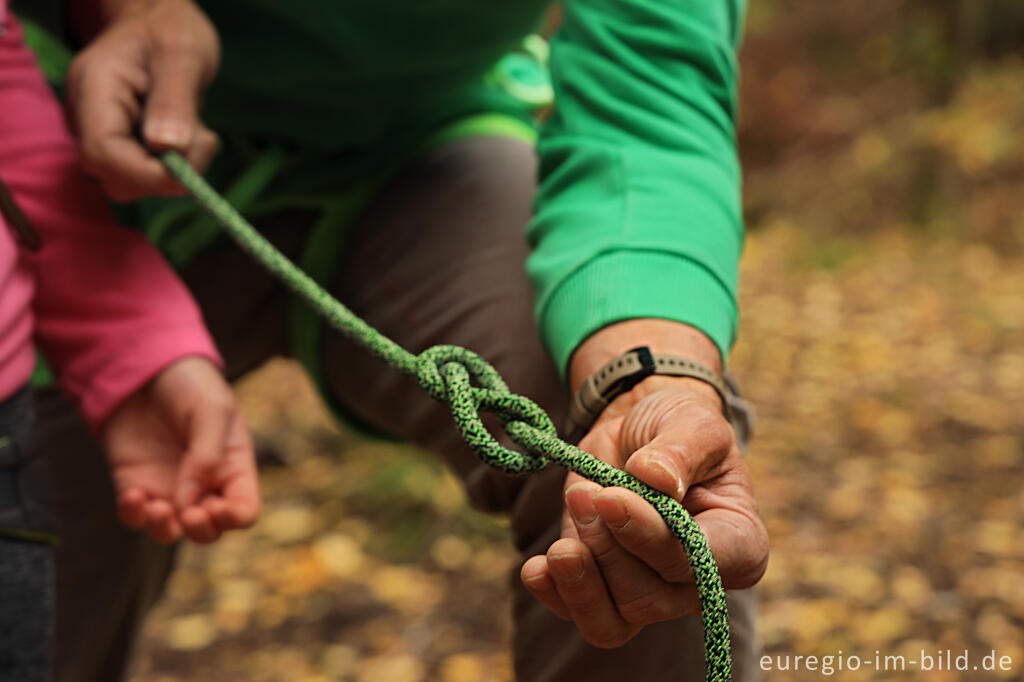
[470,385]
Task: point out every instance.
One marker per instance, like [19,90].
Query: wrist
[661,336]
[621,365]
[700,390]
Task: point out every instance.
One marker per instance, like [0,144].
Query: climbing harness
[469,385]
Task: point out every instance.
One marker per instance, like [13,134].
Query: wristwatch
[625,372]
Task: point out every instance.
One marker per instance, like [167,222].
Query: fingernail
[670,481]
[581,506]
[568,567]
[166,131]
[612,510]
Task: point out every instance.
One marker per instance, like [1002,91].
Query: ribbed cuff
[625,285]
[134,367]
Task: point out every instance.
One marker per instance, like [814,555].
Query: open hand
[181,456]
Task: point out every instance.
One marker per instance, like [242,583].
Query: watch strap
[626,371]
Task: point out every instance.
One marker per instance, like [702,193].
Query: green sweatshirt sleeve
[638,212]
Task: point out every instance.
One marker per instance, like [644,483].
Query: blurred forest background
[882,340]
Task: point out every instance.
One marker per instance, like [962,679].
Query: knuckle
[206,463]
[639,540]
[205,458]
[220,406]
[607,555]
[83,62]
[176,42]
[224,407]
[77,69]
[716,432]
[95,155]
[87,70]
[750,571]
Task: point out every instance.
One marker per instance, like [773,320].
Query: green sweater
[638,212]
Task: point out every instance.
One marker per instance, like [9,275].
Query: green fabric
[525,74]
[372,78]
[53,56]
[486,125]
[42,375]
[358,87]
[638,160]
[639,208]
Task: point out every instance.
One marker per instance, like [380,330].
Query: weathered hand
[181,456]
[145,71]
[617,566]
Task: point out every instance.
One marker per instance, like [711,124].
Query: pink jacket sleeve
[110,313]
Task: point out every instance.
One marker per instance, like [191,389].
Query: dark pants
[26,556]
[437,257]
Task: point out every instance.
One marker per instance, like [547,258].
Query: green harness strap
[469,385]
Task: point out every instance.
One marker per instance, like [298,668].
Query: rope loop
[470,385]
[464,402]
[429,362]
[512,407]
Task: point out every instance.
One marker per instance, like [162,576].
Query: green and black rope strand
[470,385]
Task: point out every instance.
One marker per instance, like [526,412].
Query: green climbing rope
[469,385]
